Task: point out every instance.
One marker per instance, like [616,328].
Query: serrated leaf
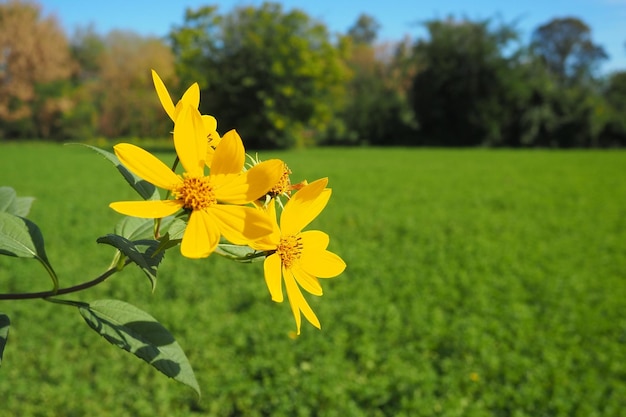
[165,243]
[174,231]
[4,333]
[142,252]
[137,332]
[10,203]
[238,253]
[145,189]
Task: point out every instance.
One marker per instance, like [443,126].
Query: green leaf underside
[145,189]
[10,203]
[176,229]
[142,252]
[135,228]
[137,332]
[238,253]
[4,333]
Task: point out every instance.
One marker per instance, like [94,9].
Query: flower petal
[307,281]
[153,209]
[270,241]
[229,156]
[146,166]
[304,206]
[272,270]
[250,185]
[164,95]
[322,263]
[201,235]
[314,240]
[210,124]
[241,225]
[213,138]
[189,139]
[298,302]
[192,96]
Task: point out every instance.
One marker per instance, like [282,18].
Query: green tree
[578,113]
[615,96]
[464,82]
[377,111]
[566,47]
[87,48]
[193,44]
[531,92]
[365,30]
[274,75]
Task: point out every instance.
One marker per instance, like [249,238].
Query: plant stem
[61,291]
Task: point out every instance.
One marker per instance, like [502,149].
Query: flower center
[289,249]
[196,193]
[283,186]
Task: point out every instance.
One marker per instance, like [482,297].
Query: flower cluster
[221,200]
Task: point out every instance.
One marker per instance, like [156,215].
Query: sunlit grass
[479,282]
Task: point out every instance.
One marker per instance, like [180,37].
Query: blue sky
[607,18]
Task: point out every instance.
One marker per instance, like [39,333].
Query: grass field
[479,283]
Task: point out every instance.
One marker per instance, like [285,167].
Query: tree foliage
[34,65]
[284,80]
[365,30]
[566,48]
[614,133]
[458,94]
[378,111]
[127,85]
[273,73]
[477,85]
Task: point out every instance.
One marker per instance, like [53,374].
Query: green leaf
[243,254]
[166,242]
[142,252]
[176,229]
[134,228]
[4,333]
[22,238]
[7,196]
[16,236]
[137,332]
[10,203]
[145,189]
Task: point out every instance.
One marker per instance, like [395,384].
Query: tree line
[283,80]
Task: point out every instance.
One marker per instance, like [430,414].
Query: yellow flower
[298,257]
[283,188]
[203,195]
[192,98]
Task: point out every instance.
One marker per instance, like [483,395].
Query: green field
[479,283]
